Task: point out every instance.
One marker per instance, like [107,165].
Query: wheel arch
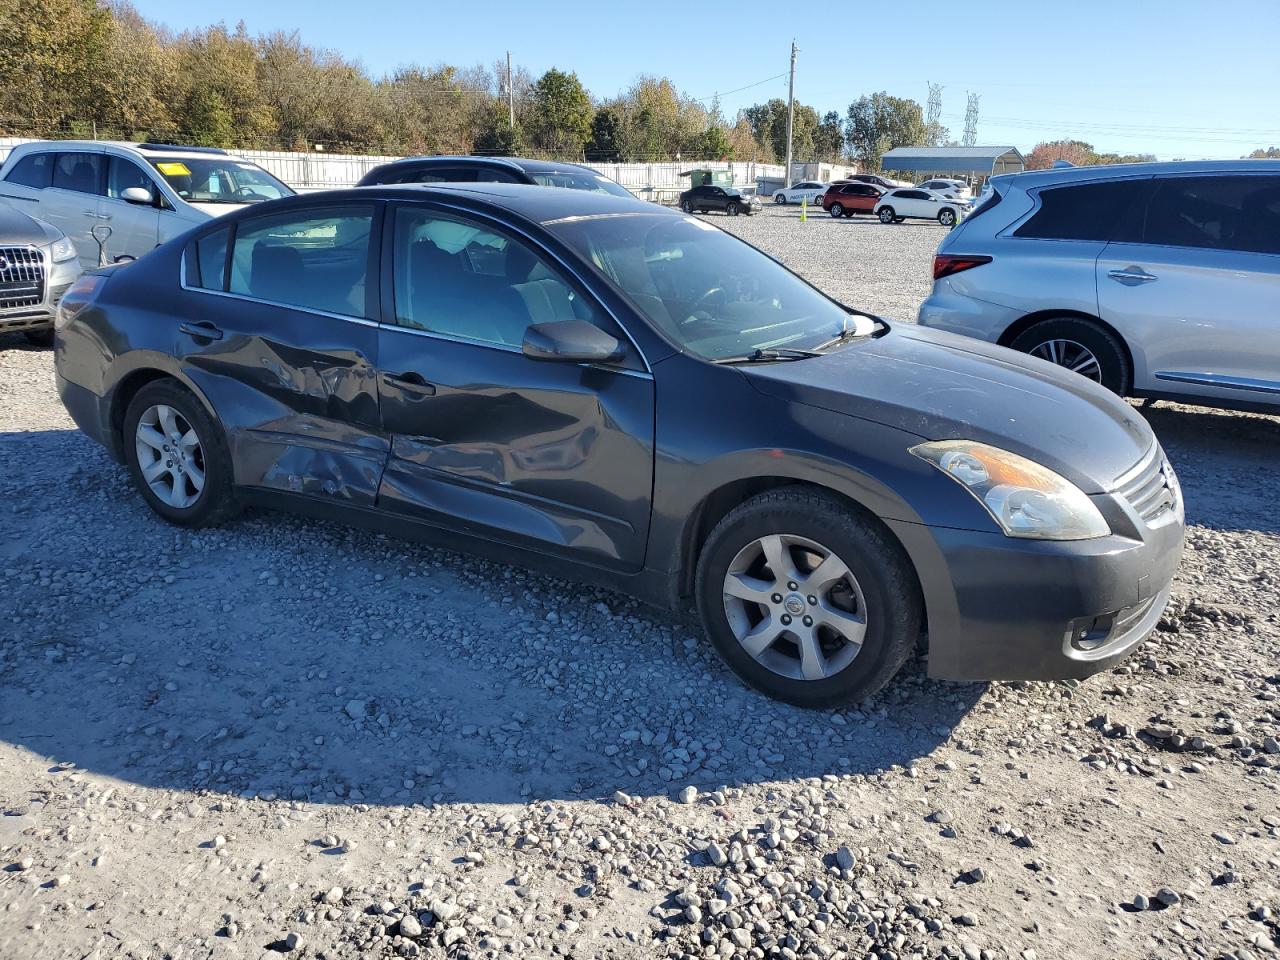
[127,387]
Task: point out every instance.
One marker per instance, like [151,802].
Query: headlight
[62,250]
[1024,498]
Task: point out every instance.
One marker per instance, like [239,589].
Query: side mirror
[570,341]
[139,195]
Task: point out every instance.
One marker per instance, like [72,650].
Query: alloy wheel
[1071,354]
[795,607]
[170,456]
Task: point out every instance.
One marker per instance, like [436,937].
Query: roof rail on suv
[180,148]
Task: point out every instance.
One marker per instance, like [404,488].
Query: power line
[725,93]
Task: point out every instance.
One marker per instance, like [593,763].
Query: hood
[16,227]
[940,386]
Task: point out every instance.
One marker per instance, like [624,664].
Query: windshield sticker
[172,168]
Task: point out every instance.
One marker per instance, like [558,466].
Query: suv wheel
[806,599]
[732,209]
[947,217]
[686,206]
[886,215]
[177,456]
[837,210]
[1083,347]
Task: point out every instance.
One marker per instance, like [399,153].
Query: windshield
[582,181]
[711,293]
[220,180]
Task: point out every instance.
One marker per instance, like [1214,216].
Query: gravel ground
[285,736]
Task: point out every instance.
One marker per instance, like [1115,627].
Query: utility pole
[511,97]
[791,109]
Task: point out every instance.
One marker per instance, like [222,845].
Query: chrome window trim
[182,282]
[1218,380]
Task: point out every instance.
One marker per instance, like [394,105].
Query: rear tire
[873,582]
[886,215]
[1061,339]
[212,499]
[837,210]
[780,199]
[40,338]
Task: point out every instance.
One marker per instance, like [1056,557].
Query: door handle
[1131,276]
[410,383]
[201,331]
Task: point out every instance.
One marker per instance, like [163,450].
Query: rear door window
[1214,213]
[33,170]
[317,259]
[1086,211]
[81,172]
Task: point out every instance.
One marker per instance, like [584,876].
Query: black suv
[708,196]
[543,173]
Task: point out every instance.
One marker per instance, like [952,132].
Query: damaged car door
[284,346]
[546,454]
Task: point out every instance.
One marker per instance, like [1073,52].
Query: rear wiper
[769,356]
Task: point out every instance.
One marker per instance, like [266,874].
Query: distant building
[968,162]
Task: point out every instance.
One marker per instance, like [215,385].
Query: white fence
[327,171]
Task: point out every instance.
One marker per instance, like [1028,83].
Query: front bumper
[1001,608]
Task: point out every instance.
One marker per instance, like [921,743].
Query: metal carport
[979,161]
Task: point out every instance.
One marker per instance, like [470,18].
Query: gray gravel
[284,736]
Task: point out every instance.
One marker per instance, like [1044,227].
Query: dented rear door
[279,338]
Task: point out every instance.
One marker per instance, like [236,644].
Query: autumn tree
[561,121]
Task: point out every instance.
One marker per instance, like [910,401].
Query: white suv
[897,205]
[122,199]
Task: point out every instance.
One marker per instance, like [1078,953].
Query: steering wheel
[697,304]
[248,193]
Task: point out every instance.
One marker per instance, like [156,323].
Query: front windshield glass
[220,180]
[711,293]
[582,181]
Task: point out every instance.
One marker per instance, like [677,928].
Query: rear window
[1214,213]
[986,203]
[33,170]
[1088,211]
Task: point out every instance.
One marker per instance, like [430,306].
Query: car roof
[148,150]
[523,164]
[1029,179]
[536,203]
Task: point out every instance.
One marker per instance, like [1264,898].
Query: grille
[21,277]
[1153,490]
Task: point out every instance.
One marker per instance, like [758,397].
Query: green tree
[828,139]
[561,113]
[769,126]
[877,123]
[1270,153]
[606,135]
[51,56]
[716,144]
[497,137]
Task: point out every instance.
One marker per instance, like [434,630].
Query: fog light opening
[1090,633]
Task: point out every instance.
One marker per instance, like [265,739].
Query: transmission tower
[971,121]
[933,116]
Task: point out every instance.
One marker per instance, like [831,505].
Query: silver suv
[122,199]
[1157,280]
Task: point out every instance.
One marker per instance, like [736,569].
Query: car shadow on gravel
[1227,464]
[292,659]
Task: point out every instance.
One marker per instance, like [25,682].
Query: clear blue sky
[1177,78]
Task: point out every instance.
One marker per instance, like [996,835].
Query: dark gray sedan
[628,395]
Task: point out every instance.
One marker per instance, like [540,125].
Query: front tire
[837,210]
[886,215]
[732,209]
[177,456]
[947,218]
[807,599]
[1081,346]
[40,338]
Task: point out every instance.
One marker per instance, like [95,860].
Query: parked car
[949,189]
[884,183]
[37,265]
[1157,280]
[898,205]
[137,195]
[846,199]
[714,197]
[545,173]
[809,191]
[623,394]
